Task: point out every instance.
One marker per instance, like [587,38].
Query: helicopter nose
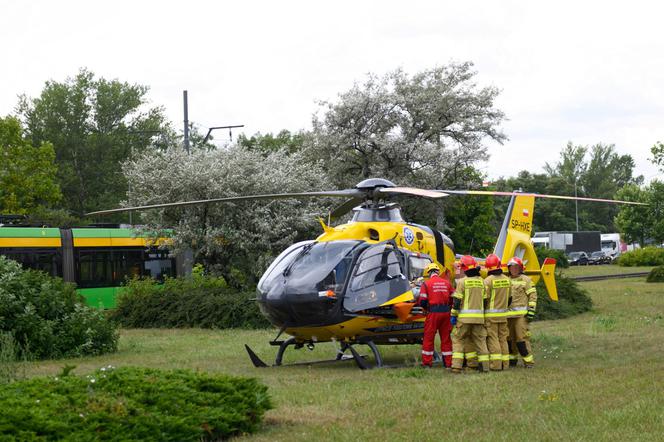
[298,309]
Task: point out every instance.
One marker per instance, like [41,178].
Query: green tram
[98,260]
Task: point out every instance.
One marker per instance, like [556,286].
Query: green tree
[268,143]
[94,125]
[596,171]
[27,171]
[634,222]
[658,154]
[605,174]
[550,214]
[656,205]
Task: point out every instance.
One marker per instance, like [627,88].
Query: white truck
[612,245]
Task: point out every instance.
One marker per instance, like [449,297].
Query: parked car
[578,258]
[599,257]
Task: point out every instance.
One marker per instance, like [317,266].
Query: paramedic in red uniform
[436,299]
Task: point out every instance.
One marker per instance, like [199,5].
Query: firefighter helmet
[468,262]
[492,262]
[516,261]
[433,267]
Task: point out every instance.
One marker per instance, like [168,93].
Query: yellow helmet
[430,268]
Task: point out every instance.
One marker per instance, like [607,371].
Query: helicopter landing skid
[360,360]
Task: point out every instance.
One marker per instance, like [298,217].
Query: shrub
[572,300]
[656,275]
[647,256]
[558,255]
[197,301]
[47,318]
[9,363]
[132,404]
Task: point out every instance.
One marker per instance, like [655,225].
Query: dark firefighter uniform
[436,298]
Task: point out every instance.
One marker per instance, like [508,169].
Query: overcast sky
[585,72]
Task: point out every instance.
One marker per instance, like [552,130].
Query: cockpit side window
[378,277]
[417,266]
[376,266]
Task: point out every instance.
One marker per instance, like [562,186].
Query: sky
[581,71]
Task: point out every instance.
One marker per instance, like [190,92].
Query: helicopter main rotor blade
[538,195]
[414,191]
[345,208]
[353,193]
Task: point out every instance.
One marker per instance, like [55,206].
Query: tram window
[48,261]
[158,265]
[127,264]
[94,268]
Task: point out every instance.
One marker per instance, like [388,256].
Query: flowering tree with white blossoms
[236,240]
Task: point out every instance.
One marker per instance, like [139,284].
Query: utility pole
[186,121]
[576,203]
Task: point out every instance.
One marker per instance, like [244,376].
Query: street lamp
[230,131]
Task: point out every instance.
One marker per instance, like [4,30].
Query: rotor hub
[373,183]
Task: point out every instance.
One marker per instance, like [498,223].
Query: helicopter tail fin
[548,276]
[514,240]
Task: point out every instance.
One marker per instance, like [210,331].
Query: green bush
[132,404]
[9,362]
[572,300]
[558,255]
[47,318]
[656,275]
[197,301]
[647,256]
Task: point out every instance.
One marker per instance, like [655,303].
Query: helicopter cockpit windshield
[312,267]
[321,268]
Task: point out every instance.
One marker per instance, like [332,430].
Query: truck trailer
[589,241]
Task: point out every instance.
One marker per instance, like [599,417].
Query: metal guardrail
[616,276]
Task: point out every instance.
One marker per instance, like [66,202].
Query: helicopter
[353,285]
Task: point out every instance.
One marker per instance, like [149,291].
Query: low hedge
[647,256]
[656,275]
[132,404]
[572,300]
[47,318]
[558,255]
[196,301]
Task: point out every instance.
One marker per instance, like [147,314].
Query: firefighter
[523,302]
[468,318]
[436,299]
[497,287]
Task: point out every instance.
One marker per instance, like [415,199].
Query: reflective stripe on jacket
[498,291]
[524,296]
[470,291]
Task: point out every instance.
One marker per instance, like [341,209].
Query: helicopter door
[378,277]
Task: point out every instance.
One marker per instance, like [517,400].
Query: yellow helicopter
[353,284]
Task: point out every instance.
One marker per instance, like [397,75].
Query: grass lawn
[599,376]
[606,269]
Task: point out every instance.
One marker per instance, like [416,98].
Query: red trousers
[437,323]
